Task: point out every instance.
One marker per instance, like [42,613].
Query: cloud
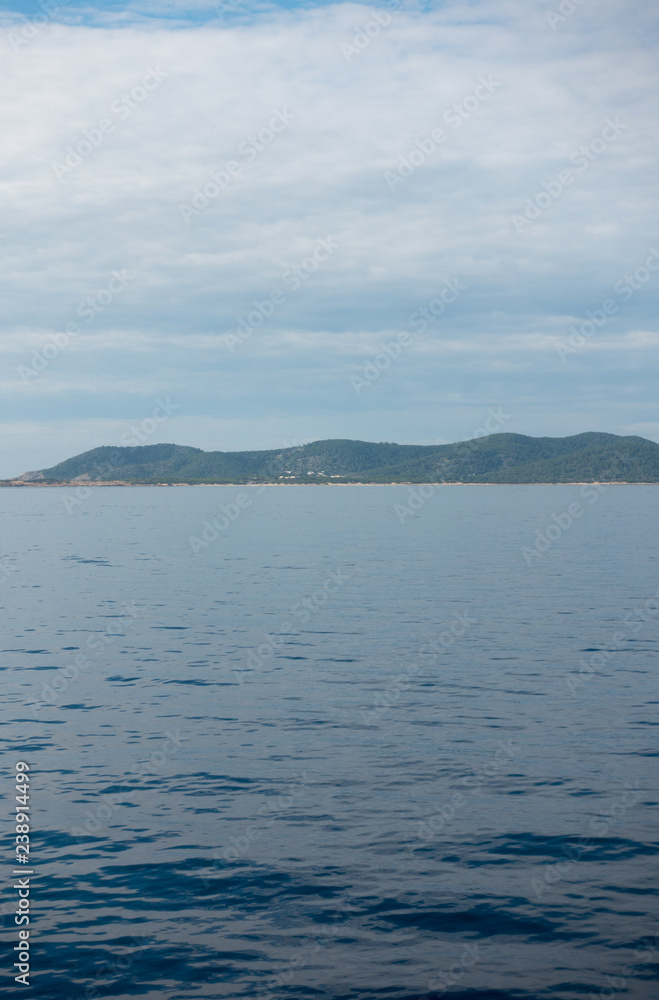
[475,111]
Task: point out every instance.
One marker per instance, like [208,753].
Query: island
[504,459]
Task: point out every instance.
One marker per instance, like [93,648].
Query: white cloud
[323,175]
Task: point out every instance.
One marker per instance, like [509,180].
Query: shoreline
[76,484]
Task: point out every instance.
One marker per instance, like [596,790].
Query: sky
[243,225]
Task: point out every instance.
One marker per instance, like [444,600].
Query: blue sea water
[335,743]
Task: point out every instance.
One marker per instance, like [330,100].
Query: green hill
[499,458]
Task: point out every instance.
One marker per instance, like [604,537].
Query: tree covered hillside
[498,458]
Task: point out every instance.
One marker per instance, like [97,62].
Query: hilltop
[497,458]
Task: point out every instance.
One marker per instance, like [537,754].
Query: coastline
[76,484]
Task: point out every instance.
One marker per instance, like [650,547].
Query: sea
[331,742]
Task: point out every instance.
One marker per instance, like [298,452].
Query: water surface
[344,750]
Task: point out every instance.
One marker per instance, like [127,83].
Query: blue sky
[245,209]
